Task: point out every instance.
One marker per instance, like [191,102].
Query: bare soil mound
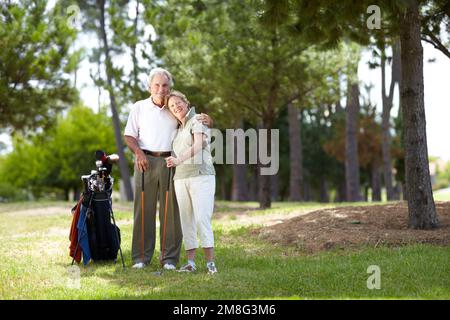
[353,227]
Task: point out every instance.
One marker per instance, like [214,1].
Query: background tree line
[288,64]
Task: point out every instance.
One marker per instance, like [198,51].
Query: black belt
[158,154]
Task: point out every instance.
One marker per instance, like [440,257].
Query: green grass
[34,264]
[441,196]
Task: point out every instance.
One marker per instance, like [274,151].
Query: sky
[436,89]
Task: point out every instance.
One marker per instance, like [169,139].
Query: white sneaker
[169,266]
[188,267]
[211,267]
[139,265]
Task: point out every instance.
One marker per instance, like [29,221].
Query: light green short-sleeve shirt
[201,163]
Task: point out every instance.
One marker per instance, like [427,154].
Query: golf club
[142,216]
[117,236]
[163,245]
[163,249]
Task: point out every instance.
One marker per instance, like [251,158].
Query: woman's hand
[172,162]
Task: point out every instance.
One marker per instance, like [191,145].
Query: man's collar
[154,104]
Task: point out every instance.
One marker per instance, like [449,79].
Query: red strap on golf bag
[73,235]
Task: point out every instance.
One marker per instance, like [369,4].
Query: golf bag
[104,236]
[98,236]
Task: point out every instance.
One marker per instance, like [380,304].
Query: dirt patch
[352,227]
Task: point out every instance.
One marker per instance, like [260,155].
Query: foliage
[236,60]
[9,192]
[325,23]
[224,58]
[318,127]
[24,166]
[442,175]
[73,144]
[219,51]
[128,40]
[436,25]
[56,160]
[369,140]
[36,61]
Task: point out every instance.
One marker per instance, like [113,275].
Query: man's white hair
[156,71]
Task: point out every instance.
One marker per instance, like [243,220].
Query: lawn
[442,195]
[35,264]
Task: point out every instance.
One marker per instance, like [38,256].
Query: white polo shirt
[153,127]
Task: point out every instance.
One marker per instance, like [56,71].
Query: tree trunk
[99,70]
[376,183]
[123,165]
[254,184]
[324,196]
[220,182]
[306,190]
[239,190]
[295,155]
[387,101]
[351,143]
[133,48]
[76,194]
[421,207]
[274,186]
[222,177]
[398,191]
[268,118]
[265,180]
[341,194]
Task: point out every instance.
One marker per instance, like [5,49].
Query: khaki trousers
[155,186]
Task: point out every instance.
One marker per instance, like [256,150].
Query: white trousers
[195,197]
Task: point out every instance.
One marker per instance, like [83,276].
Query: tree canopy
[35,64]
[56,160]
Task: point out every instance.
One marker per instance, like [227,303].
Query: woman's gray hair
[156,71]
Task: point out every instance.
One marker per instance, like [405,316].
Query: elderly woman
[194,181]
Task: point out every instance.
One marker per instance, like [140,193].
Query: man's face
[159,88]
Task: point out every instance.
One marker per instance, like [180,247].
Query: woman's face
[178,107]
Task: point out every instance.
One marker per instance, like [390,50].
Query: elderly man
[149,133]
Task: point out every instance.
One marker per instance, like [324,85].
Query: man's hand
[205,119]
[172,162]
[141,160]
